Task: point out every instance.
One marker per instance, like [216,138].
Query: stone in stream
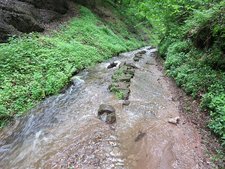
[139,55]
[142,52]
[131,65]
[112,65]
[150,48]
[107,113]
[136,59]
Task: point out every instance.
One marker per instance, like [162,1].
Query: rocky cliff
[24,16]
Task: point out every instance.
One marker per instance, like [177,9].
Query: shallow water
[64,132]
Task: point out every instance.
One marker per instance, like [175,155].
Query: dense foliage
[35,66]
[191,38]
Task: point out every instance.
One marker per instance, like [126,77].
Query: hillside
[36,65]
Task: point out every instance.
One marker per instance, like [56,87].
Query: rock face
[24,16]
[107,114]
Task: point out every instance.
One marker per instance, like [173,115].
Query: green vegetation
[121,81]
[191,39]
[36,66]
[195,58]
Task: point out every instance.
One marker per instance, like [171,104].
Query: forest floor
[152,130]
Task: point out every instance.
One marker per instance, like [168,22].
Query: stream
[64,131]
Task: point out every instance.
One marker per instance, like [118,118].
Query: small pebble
[175,120]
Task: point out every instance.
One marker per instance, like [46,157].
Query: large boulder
[59,6]
[24,16]
[107,113]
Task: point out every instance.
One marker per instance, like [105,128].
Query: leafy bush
[215,101]
[187,65]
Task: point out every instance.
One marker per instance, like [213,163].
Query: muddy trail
[65,132]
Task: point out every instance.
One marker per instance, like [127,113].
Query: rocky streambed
[135,126]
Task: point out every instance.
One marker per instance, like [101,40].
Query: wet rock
[154,51]
[139,55]
[131,65]
[112,65]
[142,52]
[107,113]
[126,103]
[136,59]
[150,48]
[175,120]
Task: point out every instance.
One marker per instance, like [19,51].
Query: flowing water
[64,132]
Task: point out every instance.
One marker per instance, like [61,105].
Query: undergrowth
[35,66]
[195,58]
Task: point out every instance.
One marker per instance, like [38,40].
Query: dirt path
[64,131]
[164,145]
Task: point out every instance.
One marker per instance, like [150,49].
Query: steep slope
[35,66]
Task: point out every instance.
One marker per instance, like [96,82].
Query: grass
[36,66]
